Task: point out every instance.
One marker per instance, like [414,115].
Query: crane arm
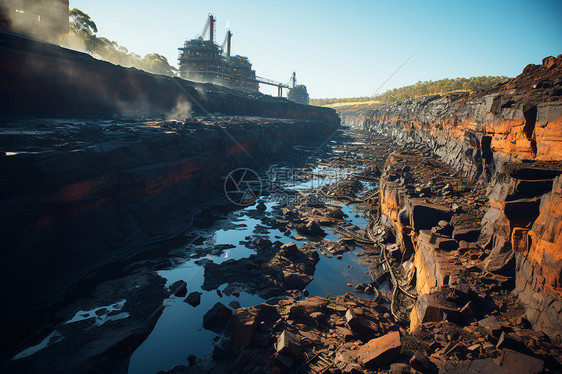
[224,42]
[271,82]
[204,32]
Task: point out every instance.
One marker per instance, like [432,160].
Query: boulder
[311,228]
[246,322]
[304,308]
[362,327]
[193,298]
[433,308]
[434,267]
[289,249]
[380,350]
[261,243]
[216,317]
[420,362]
[515,362]
[510,340]
[289,345]
[351,318]
[502,259]
[179,288]
[492,325]
[234,304]
[296,281]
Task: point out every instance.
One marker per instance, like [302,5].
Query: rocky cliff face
[508,141]
[95,186]
[539,263]
[518,120]
[80,198]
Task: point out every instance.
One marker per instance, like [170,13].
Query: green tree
[85,29]
[157,64]
[81,23]
[420,89]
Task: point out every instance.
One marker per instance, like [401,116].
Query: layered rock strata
[80,193]
[465,317]
[509,139]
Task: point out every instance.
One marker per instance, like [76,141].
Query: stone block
[216,317]
[515,362]
[245,324]
[179,288]
[432,308]
[380,350]
[289,345]
[491,324]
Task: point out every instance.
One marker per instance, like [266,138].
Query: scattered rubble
[462,255]
[447,310]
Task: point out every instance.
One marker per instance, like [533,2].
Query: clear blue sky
[347,48]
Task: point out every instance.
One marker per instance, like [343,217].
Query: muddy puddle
[179,332]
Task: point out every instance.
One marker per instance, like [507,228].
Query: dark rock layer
[77,195]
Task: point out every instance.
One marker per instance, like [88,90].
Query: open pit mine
[154,224]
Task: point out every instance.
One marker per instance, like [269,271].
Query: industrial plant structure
[205,61]
[297,92]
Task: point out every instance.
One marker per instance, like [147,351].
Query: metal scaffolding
[204,61]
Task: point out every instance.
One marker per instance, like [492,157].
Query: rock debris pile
[465,226]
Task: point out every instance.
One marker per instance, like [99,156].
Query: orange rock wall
[539,266]
[433,267]
[546,238]
[483,135]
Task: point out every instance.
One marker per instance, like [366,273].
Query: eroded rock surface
[508,138]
